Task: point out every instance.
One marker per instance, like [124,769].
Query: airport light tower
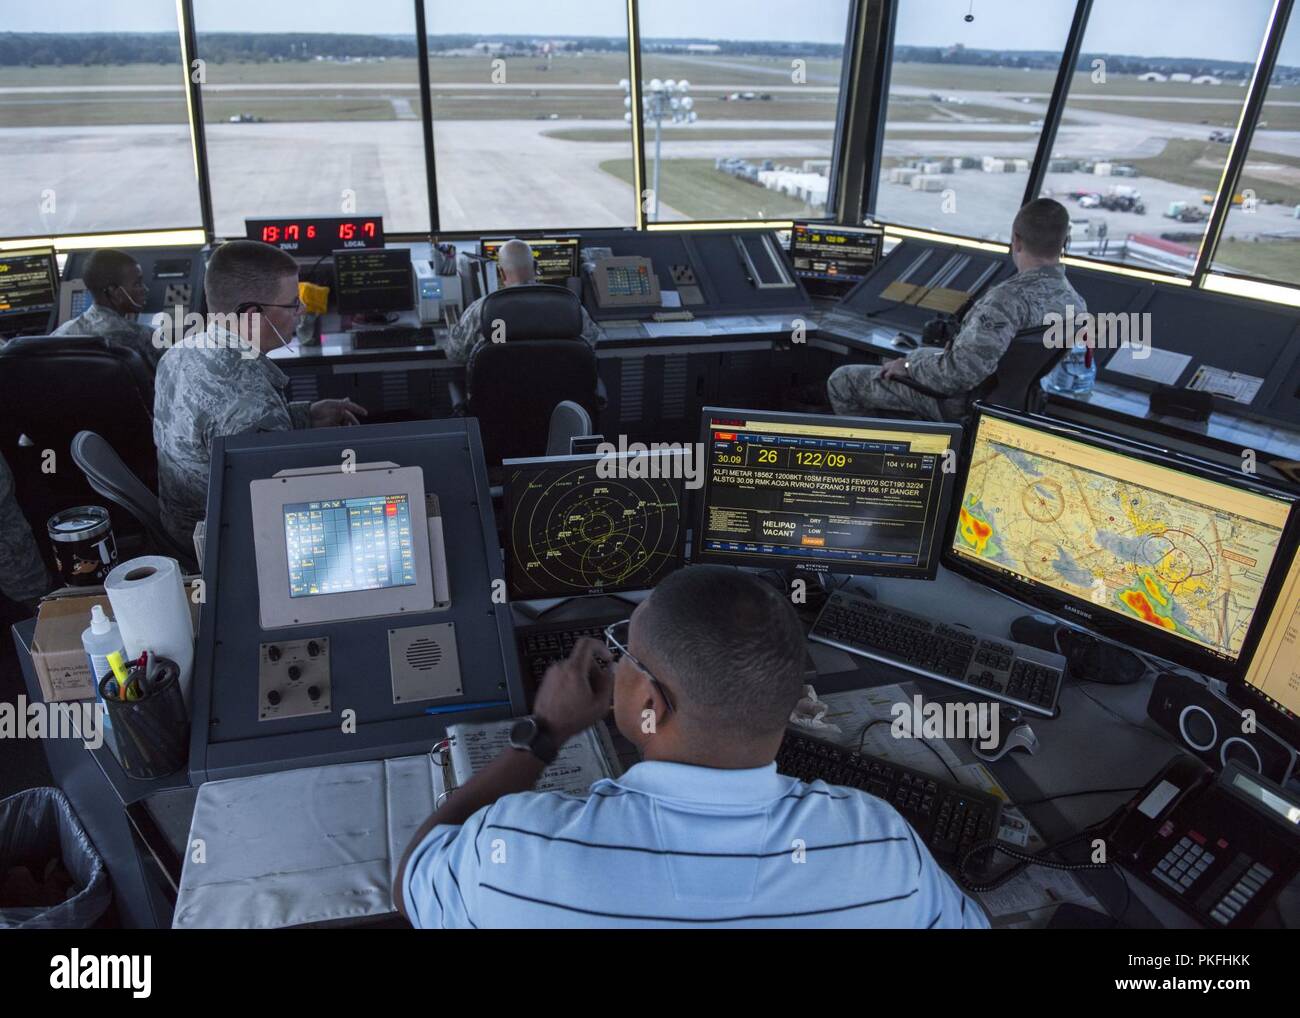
[660,101]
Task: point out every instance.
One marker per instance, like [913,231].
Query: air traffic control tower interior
[638,436]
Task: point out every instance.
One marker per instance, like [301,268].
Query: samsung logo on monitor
[1077,611]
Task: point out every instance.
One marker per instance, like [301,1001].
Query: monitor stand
[1090,659]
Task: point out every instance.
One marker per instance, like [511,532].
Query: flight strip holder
[294,675]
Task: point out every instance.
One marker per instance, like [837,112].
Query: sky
[1213,29]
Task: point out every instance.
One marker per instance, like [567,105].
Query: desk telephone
[1219,846]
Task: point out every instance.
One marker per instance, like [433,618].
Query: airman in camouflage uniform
[1019,303]
[1022,302]
[515,260]
[119,331]
[23,576]
[218,385]
[116,284]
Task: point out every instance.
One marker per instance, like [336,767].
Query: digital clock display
[306,237]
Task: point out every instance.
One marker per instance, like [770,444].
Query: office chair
[113,479]
[51,387]
[513,387]
[1015,382]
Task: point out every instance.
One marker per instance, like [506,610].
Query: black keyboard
[996,668]
[393,335]
[541,646]
[949,818]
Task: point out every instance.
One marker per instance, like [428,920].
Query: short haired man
[517,266]
[222,383]
[1039,287]
[115,283]
[703,832]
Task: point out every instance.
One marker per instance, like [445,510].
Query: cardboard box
[61,664]
[60,660]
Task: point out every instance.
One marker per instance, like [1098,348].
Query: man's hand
[897,368]
[327,413]
[575,693]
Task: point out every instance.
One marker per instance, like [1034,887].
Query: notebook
[583,760]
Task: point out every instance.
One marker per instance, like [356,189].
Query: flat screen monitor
[373,280]
[831,259]
[822,493]
[29,283]
[336,545]
[1270,681]
[1161,552]
[592,524]
[555,258]
[339,545]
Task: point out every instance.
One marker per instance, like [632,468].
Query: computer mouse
[1013,737]
[905,342]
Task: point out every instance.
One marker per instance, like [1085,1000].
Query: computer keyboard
[541,646]
[949,818]
[999,669]
[384,336]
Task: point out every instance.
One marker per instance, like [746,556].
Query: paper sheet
[1155,365]
[584,759]
[855,709]
[1229,384]
[670,298]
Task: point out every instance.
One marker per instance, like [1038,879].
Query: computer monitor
[1270,680]
[1156,550]
[822,493]
[831,260]
[333,546]
[29,288]
[556,258]
[373,280]
[592,524]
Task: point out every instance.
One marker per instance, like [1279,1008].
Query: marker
[453,708]
[116,663]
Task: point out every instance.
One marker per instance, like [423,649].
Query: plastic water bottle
[1074,374]
[100,639]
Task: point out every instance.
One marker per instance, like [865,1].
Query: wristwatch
[532,736]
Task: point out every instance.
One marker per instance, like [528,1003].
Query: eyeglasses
[616,636]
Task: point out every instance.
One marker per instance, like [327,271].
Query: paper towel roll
[153,613]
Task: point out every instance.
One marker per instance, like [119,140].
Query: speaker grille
[423,654]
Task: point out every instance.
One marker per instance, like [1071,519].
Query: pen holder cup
[152,733]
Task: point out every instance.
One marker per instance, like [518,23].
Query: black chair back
[51,387]
[540,360]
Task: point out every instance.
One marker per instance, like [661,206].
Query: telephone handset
[1220,846]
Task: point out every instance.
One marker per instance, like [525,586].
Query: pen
[454,707]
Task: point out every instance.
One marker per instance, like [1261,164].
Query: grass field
[1200,164]
[1272,259]
[698,191]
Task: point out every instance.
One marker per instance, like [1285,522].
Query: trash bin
[43,847]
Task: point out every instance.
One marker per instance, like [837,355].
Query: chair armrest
[459,400]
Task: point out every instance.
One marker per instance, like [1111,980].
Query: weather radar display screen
[577,527]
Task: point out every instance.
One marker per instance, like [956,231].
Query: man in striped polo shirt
[703,832]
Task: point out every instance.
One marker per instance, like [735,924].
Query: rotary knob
[273,698]
[295,673]
[273,653]
[313,693]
